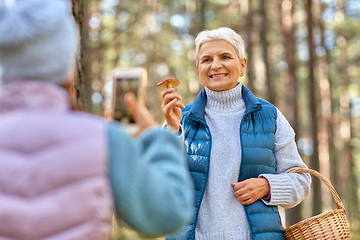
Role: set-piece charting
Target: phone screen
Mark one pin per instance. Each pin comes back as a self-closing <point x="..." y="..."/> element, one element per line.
<point x="124" y="85"/>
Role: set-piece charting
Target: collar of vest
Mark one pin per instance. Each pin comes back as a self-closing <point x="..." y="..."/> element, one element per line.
<point x="197" y="110"/>
<point x="251" y="102"/>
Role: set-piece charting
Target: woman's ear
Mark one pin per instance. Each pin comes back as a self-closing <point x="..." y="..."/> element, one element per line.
<point x="243" y="65"/>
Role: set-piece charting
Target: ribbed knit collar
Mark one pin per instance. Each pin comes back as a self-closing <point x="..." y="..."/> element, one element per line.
<point x="226" y="101"/>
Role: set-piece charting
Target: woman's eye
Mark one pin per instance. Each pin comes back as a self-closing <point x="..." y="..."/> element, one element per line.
<point x="226" y="57"/>
<point x="206" y="60"/>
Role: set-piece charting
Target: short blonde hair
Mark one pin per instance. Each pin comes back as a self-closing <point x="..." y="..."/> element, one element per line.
<point x="223" y="33"/>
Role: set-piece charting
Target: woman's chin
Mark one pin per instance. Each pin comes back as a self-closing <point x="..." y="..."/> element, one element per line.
<point x="220" y="87"/>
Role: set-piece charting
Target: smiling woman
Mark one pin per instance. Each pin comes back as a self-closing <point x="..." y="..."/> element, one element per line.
<point x="239" y="148"/>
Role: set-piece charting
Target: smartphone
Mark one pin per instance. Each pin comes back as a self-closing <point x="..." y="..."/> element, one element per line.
<point x="131" y="79"/>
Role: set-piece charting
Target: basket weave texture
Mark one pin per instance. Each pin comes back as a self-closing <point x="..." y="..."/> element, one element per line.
<point x="329" y="225"/>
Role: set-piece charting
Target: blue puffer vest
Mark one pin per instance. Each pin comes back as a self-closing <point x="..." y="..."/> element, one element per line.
<point x="257" y="133"/>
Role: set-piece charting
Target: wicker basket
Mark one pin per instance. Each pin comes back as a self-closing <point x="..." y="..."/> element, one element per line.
<point x="329" y="225"/>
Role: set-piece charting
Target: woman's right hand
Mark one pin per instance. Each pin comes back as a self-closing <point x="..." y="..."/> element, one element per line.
<point x="171" y="108"/>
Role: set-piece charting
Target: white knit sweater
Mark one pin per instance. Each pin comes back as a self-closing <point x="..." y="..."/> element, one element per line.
<point x="221" y="215"/>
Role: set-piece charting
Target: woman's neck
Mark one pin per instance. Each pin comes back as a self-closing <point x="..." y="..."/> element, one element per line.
<point x="225" y="101"/>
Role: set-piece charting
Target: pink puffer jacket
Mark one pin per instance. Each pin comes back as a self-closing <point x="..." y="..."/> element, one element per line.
<point x="53" y="167"/>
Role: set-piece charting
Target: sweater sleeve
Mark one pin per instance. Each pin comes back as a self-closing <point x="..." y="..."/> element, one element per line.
<point x="287" y="189"/>
<point x="150" y="181"/>
<point x="180" y="133"/>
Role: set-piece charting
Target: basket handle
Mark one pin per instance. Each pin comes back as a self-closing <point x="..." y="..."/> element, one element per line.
<point x="335" y="195"/>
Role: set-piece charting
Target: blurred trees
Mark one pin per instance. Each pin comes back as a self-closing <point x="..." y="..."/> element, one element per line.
<point x="302" y="55"/>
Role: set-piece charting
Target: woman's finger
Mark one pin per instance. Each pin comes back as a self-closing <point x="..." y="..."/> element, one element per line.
<point x="167" y="91"/>
<point x="180" y="105"/>
<point x="130" y="100"/>
<point x="247" y="201"/>
<point x="170" y="106"/>
<point x="169" y="97"/>
<point x="175" y="104"/>
<point x="142" y="116"/>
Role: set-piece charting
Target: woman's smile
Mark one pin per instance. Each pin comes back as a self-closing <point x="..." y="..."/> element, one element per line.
<point x="218" y="75"/>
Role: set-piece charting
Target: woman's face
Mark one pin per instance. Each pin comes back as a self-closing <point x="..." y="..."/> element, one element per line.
<point x="219" y="66"/>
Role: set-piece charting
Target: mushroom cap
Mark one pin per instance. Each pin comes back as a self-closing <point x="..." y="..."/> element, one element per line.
<point x="169" y="82"/>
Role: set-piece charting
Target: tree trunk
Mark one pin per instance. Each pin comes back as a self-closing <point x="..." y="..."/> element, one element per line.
<point x="264" y="45"/>
<point x="79" y="84"/>
<point x="199" y="17"/>
<point x="86" y="54"/>
<point x="325" y="118"/>
<point x="348" y="176"/>
<point x="286" y="10"/>
<point x="314" y="158"/>
<point x="249" y="49"/>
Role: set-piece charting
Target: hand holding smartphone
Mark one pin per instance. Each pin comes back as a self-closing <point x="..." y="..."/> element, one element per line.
<point x="134" y="80"/>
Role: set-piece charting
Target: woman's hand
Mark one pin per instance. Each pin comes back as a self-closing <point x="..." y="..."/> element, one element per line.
<point x="141" y="114"/>
<point x="251" y="190"/>
<point x="171" y="108"/>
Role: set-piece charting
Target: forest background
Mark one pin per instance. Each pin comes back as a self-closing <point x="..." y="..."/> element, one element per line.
<point x="303" y="56"/>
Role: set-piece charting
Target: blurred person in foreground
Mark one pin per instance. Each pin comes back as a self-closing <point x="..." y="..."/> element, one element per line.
<point x="63" y="173"/>
<point x="240" y="148"/>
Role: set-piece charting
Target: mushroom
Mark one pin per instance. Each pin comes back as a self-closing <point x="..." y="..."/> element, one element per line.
<point x="169" y="83"/>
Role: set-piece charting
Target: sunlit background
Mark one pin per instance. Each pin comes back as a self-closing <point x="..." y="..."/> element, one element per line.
<point x="159" y="36"/>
